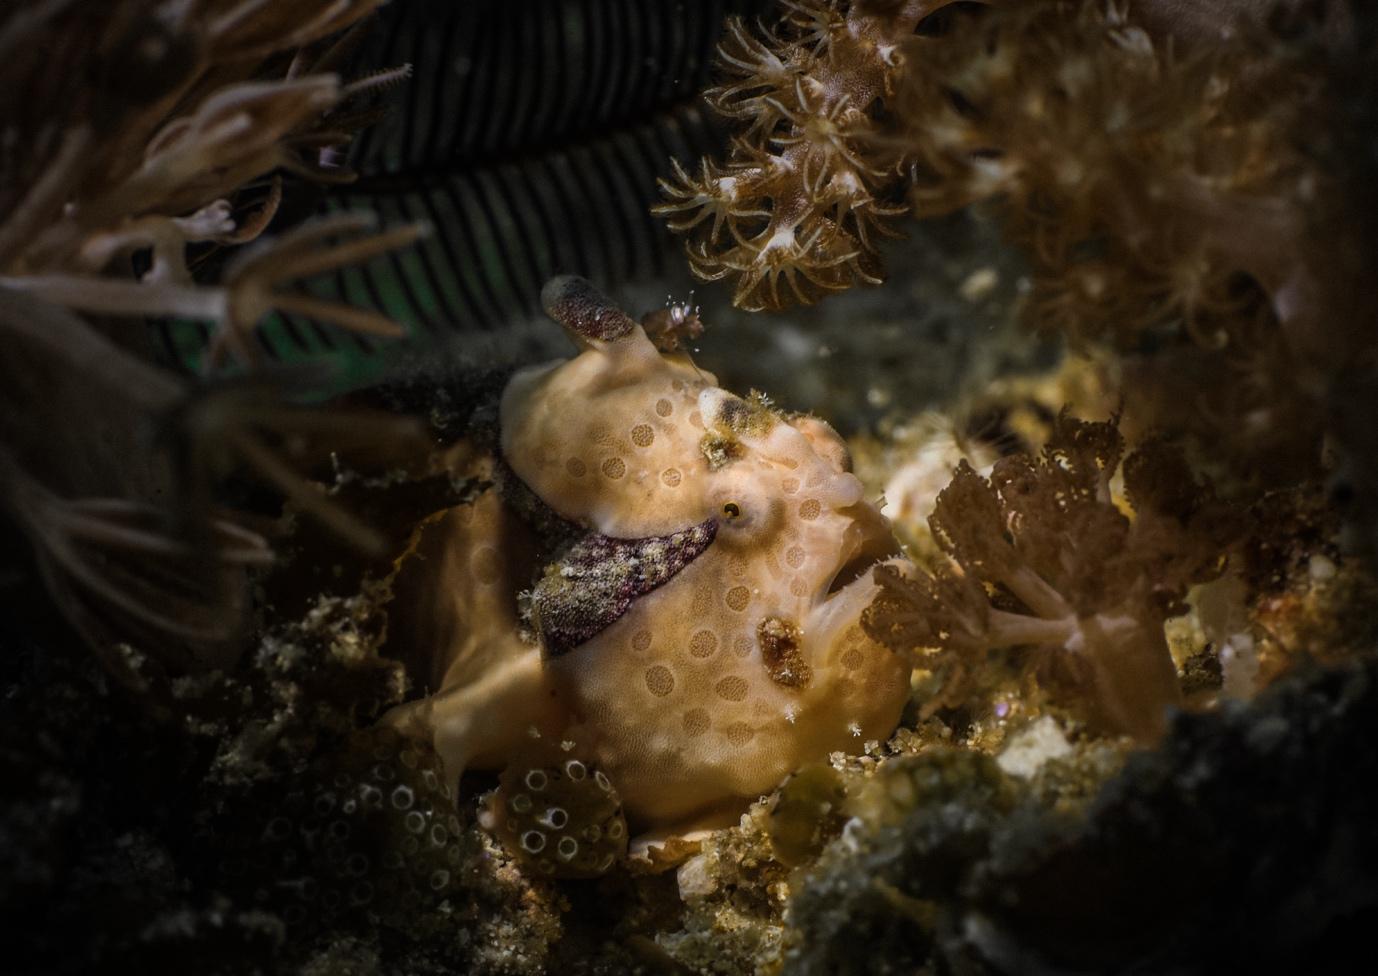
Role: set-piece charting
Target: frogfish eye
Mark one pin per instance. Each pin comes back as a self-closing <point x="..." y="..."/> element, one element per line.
<point x="731" y="510"/>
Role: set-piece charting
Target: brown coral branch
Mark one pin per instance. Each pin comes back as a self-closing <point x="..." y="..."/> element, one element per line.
<point x="45" y="198"/>
<point x="801" y="195"/>
<point x="160" y="177"/>
<point x="91" y="293"/>
<point x="120" y="555"/>
<point x="252" y="287"/>
<point x="167" y="574"/>
<point x="128" y="131"/>
<point x="118" y="523"/>
<point x="251" y="228"/>
<point x="1043" y="558"/>
<point x="252" y="29"/>
<point x="252" y="282"/>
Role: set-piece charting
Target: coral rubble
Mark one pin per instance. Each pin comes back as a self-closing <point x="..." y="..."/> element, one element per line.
<point x="1228" y="846"/>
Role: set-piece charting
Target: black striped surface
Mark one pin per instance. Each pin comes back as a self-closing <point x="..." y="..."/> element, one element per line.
<point x="529" y="138"/>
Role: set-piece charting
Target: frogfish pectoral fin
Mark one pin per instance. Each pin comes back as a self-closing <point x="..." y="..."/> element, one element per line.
<point x="596" y="580"/>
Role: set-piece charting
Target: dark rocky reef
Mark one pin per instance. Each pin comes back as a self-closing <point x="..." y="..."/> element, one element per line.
<point x="1243" y="843"/>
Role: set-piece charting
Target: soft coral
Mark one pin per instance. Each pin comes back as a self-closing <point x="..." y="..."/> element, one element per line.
<point x="1042" y="557"/>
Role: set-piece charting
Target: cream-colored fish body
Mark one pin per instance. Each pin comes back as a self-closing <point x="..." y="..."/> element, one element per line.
<point x="609" y="438"/>
<point x="701" y="638"/>
<point x="749" y="660"/>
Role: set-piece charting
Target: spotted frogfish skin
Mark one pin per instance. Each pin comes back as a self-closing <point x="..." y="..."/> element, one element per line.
<point x="701" y="637"/>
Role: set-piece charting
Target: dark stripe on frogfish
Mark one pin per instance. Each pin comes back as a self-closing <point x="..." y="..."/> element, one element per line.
<point x="595" y="582"/>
